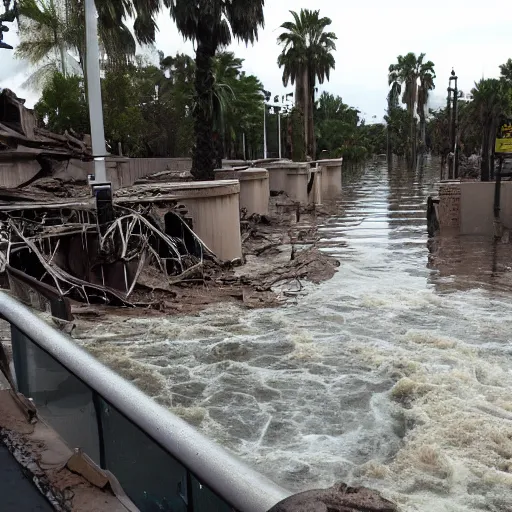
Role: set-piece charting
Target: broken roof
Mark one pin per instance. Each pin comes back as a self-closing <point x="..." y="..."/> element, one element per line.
<point x="20" y="136"/>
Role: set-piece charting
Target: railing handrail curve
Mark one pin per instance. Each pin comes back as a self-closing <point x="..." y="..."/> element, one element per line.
<point x="241" y="486"/>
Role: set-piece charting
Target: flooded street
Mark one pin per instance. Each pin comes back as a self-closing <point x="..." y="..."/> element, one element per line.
<point x="394" y="374"/>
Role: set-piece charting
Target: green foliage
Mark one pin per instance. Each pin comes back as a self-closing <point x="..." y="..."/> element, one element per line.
<point x="52" y="29"/>
<point x="415" y="78"/>
<point x="506" y="71"/>
<point x="237" y="105"/>
<point x="148" y="109"/>
<point x="63" y="105"/>
<point x="212" y="24"/>
<point x="397" y="121"/>
<point x="337" y="132"/>
<point x="478" y="120"/>
<point x="307" y="57"/>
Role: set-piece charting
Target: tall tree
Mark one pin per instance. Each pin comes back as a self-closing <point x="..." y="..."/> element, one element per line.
<point x="426" y="84"/>
<point x="506" y="71"/>
<point x="404" y="75"/>
<point x="62" y="105"/>
<point x="212" y="24"/>
<point x="491" y="101"/>
<point x="237" y="106"/>
<point x="44" y="33"/>
<point x="306" y="58"/>
<point x="51" y="29"/>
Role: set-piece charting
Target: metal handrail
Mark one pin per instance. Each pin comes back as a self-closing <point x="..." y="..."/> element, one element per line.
<point x="242" y="487"/>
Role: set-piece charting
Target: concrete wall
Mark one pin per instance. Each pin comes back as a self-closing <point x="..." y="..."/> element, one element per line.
<point x="332" y="178"/>
<point x="123" y="172"/>
<point x="254" y="190"/>
<point x="289" y="177"/>
<point x="297" y="184"/>
<point x="468" y="207"/>
<point x="213" y="206"/>
<point x="477" y="207"/>
<point x="14" y="174"/>
<point x="254" y="187"/>
<point x="215" y="214"/>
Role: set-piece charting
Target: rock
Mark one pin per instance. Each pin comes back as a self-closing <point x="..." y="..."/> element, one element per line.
<point x="339" y="498"/>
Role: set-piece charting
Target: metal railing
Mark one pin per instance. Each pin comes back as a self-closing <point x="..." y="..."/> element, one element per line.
<point x="161" y="462"/>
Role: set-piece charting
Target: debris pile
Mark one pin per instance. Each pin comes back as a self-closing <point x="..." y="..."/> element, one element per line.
<point x="63" y="247"/>
<point x="52" y="248"/>
<point x="20" y="135"/>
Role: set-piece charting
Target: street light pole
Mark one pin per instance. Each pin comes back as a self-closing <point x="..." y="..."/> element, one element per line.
<point x="279" y="128"/>
<point x="94" y="93"/>
<point x="101" y="187"/>
<point x="264" y="130"/>
<point x="453" y="127"/>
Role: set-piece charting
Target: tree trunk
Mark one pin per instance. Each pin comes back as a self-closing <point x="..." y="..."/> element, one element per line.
<point x="307" y="101"/>
<point x="311" y="124"/>
<point x="412" y="136"/>
<point x="423" y="134"/>
<point x="302" y="102"/>
<point x="203" y="159"/>
<point x="484" y="166"/>
<point x="389" y="146"/>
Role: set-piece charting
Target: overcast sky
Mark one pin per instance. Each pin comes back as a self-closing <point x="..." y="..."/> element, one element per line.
<point x="473" y="37"/>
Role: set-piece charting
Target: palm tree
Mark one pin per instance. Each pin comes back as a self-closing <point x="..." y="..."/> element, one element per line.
<point x="405" y="75"/>
<point x="426" y="84"/>
<point x="236" y="103"/>
<point x="506" y="70"/>
<point x="491" y="101"/>
<point x="43" y="30"/>
<point x="49" y="29"/>
<point x="226" y="68"/>
<point x="306" y="58"/>
<point x="212" y="24"/>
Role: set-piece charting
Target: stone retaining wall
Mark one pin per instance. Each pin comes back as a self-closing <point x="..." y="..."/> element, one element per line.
<point x="449" y="205"/>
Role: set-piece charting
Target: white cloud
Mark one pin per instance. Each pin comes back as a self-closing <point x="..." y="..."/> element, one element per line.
<point x="371" y="34"/>
<point x="465" y="35"/>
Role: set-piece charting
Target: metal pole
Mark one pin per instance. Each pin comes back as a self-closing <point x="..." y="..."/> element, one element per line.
<point x="94" y="93"/>
<point x="243" y="144"/>
<point x="454" y="120"/>
<point x="279" y="129"/>
<point x="264" y="130"/>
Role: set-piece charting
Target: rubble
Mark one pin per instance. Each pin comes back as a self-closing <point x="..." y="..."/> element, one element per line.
<point x="63" y="247"/>
<point x="339" y="498"/>
<point x="19" y="133"/>
<point x="53" y="250"/>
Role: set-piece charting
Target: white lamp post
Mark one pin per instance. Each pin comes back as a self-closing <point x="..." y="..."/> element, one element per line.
<point x="279" y="129"/>
<point x="264" y="130"/>
<point x="94" y="93"/>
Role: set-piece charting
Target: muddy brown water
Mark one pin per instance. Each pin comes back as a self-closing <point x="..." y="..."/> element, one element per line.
<point x="395" y="374"/>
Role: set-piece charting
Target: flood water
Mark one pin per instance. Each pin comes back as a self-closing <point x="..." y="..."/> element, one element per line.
<point x="395" y="374"/>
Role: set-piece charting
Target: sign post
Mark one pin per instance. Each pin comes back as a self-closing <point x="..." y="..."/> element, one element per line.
<point x="503" y="145"/>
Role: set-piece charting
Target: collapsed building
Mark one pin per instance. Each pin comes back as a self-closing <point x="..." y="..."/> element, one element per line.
<point x="50" y="238"/>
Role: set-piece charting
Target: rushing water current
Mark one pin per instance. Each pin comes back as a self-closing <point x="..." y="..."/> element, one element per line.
<point x="395" y="374"/>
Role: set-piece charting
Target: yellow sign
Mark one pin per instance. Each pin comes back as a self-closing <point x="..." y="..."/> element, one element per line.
<point x="504" y="138"/>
